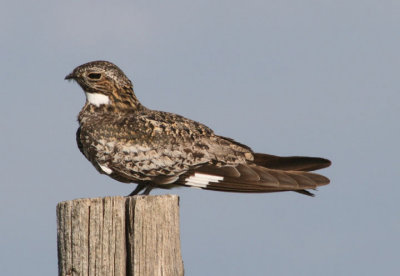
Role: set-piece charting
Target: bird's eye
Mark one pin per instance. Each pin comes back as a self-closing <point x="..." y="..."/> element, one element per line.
<point x="94" y="76"/>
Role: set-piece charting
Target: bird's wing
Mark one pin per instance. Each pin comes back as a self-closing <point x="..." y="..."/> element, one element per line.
<point x="159" y="147"/>
<point x="78" y="141"/>
<point x="293" y="163"/>
<point x="251" y="178"/>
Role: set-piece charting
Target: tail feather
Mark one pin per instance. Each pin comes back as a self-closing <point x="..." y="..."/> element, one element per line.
<point x="251" y="178"/>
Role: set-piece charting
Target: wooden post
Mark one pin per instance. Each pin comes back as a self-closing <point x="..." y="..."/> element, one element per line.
<point x="119" y="236"/>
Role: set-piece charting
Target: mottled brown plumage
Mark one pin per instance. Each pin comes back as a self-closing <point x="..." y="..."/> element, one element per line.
<point x="132" y="143"/>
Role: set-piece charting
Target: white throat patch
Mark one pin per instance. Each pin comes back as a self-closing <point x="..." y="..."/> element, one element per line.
<point x="97" y="99"/>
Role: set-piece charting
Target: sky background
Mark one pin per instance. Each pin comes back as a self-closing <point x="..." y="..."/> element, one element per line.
<point x="318" y="78"/>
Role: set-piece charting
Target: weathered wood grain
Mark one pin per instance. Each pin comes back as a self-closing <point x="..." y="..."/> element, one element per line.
<point x="119" y="236"/>
<point x="153" y="235"/>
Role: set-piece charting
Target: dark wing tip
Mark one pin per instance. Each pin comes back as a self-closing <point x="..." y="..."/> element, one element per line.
<point x="324" y="162"/>
<point x="295" y="163"/>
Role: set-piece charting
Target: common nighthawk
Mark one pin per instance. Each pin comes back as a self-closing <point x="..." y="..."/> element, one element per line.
<point x="131" y="143"/>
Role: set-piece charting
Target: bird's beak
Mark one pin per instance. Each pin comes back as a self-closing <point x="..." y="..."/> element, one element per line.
<point x="70" y="76"/>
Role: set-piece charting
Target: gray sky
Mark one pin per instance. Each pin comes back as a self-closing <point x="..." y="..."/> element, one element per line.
<point x="307" y="77"/>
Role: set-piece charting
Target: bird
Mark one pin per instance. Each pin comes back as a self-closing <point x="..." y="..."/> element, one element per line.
<point x="154" y="149"/>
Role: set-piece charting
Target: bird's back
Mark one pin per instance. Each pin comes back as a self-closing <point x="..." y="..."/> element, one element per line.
<point x="145" y="144"/>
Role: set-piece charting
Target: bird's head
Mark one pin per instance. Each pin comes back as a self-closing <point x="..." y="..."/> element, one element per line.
<point x="104" y="83"/>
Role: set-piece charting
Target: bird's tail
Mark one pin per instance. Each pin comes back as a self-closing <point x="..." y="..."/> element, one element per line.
<point x="255" y="178"/>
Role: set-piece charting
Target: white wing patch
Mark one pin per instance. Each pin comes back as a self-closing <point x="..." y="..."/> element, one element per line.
<point x="106" y="169"/>
<point x="201" y="180"/>
<point x="97" y="99"/>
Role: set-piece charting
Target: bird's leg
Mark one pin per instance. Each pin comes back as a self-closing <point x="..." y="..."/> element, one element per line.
<point x="148" y="189"/>
<point x="139" y="187"/>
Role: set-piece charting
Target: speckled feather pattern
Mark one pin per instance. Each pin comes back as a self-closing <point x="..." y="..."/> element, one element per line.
<point x="146" y="143"/>
<point x="132" y="143"/>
